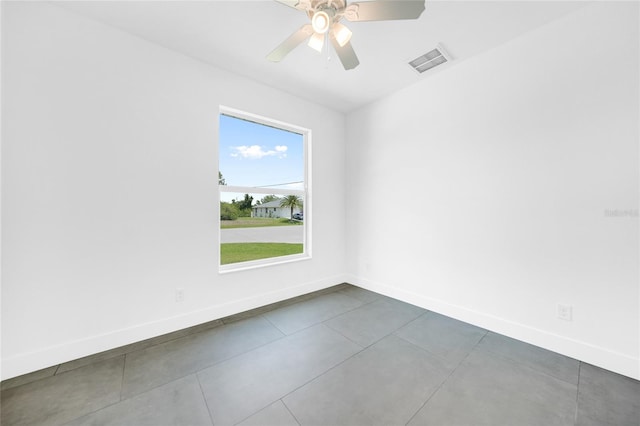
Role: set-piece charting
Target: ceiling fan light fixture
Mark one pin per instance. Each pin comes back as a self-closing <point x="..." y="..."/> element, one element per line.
<point x="325" y="27"/>
<point x="321" y="22"/>
<point x="316" y="42"/>
<point x="341" y="33"/>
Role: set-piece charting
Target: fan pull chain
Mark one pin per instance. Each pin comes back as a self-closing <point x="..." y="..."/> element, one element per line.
<point x="326" y="43"/>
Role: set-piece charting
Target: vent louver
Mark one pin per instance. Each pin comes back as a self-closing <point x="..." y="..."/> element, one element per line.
<point x="429" y="60"/>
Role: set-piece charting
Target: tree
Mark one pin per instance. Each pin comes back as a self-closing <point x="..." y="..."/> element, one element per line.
<point x="268" y="198"/>
<point x="291" y="201"/>
<point x="246" y="203"/>
<point x="228" y="211"/>
<point x="221" y="180"/>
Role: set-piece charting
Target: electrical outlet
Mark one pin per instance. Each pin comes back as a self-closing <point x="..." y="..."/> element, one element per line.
<point x="179" y="295"/>
<point x="565" y="312"/>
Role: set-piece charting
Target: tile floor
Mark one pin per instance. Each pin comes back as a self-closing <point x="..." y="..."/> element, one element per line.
<point x="342" y="356"/>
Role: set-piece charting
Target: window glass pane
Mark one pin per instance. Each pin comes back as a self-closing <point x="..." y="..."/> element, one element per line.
<point x="266" y="229"/>
<point x="256" y="155"/>
<point x="262" y="192"/>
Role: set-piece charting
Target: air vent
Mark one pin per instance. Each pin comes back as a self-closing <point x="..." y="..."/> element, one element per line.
<point x="429" y="60"/>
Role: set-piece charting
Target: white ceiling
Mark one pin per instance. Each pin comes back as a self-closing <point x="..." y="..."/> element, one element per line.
<point x="237" y="35"/>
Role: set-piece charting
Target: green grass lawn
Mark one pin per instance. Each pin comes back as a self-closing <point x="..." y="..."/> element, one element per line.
<point x="243" y="252"/>
<point x="257" y="222"/>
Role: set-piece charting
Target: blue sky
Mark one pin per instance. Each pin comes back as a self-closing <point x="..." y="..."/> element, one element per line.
<point x="252" y="154"/>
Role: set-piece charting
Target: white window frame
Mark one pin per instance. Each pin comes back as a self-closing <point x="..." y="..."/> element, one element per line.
<point x="304" y="193"/>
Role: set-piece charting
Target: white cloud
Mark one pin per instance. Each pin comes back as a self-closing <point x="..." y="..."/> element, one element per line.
<point x="256" y="152"/>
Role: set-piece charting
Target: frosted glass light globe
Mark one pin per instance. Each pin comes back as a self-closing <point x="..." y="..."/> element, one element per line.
<point x="320" y="22"/>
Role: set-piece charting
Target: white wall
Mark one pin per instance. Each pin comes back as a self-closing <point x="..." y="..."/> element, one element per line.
<point x="502" y="168"/>
<point x="109" y="186"/>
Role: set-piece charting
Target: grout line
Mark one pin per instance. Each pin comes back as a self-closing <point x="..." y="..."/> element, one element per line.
<point x="55" y="373"/>
<point x="92" y="412"/>
<point x="346" y="337"/>
<point x="106" y="406"/>
<point x="522" y="364"/>
<point x="343" y="292"/>
<point x="124" y="366"/>
<point x="438" y="357"/>
<point x="174" y="338"/>
<point x="290" y="412"/>
<point x="379" y="339"/>
<point x="120" y="350"/>
<point x="488" y="348"/>
<point x="142" y="393"/>
<point x="375" y="341"/>
<point x="254" y="413"/>
<point x="275" y="326"/>
<point x="575" y="417"/>
<point x="483" y="337"/>
<point x="206" y="403"/>
<point x="264" y="408"/>
<point x="362" y="349"/>
<point x="324" y="320"/>
<point x="262" y="310"/>
<point x="409" y="322"/>
<point x="446" y="378"/>
<point x="323" y="373"/>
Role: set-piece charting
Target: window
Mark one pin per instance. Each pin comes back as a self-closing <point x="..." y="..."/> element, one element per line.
<point x="263" y="181"/>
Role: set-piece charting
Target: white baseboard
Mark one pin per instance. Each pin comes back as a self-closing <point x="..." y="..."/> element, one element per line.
<point x="591" y="354"/>
<point x="69" y="351"/>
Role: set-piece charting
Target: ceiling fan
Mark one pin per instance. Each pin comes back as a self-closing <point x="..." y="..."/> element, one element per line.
<point x="325" y="24"/>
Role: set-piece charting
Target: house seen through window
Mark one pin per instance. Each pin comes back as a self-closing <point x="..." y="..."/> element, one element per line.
<point x="264" y="191"/>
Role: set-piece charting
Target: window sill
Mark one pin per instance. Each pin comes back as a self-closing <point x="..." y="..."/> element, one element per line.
<point x="262" y="263"/>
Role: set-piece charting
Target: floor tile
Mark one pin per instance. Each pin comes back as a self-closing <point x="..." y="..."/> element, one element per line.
<point x="490" y="390"/>
<point x="28" y="378"/>
<point x="144" y="344"/>
<point x="59" y="399"/>
<point x="606" y="398"/>
<point x="242" y="386"/>
<point x="554" y="364"/>
<point x="281" y="304"/>
<point x="91" y="359"/>
<point x="442" y="336"/>
<point x="292" y="318"/>
<point x="385" y="385"/>
<point x="163" y="363"/>
<point x="371" y="322"/>
<point x="361" y="294"/>
<point x="176" y="403"/>
<point x="274" y="415"/>
<point x="287" y="302"/>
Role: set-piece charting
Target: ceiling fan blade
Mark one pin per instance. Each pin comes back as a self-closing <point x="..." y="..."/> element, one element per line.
<point x="346" y="54"/>
<point x="290" y="43"/>
<point x="296" y="4"/>
<point x="384" y="10"/>
<point x="290" y="3"/>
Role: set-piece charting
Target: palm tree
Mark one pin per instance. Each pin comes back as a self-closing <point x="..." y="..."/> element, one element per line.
<point x="291" y="201"/>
